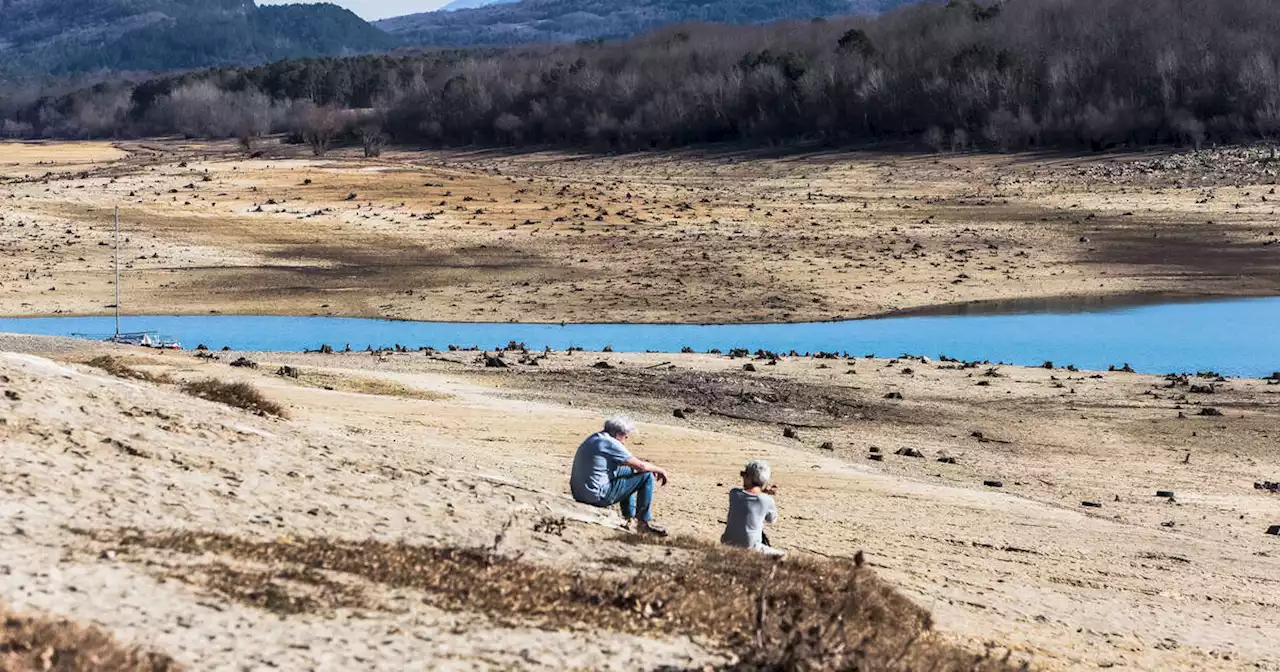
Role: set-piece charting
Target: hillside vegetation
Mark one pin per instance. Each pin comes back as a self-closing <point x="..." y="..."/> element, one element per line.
<point x="40" y="37"/>
<point x="1023" y="73"/>
<point x="570" y="20"/>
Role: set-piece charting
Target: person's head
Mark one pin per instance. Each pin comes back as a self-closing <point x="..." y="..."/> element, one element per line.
<point x="756" y="474"/>
<point x="620" y="427"/>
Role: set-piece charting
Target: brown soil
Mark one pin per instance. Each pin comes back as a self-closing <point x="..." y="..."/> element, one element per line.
<point x="550" y="237"/>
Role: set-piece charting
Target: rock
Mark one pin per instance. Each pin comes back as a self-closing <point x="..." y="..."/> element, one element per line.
<point x="827" y="445"/>
<point x="1092" y="505"/>
<point x="492" y="362"/>
<point x="947" y="459"/>
<point x="1267" y="486"/>
<point x="875" y="449"/>
<point x="993" y="484"/>
<point x="749" y="367"/>
<point x="288" y="372"/>
<point x="1164" y="493"/>
<point x="908" y="451"/>
<point x="893" y="395"/>
<point x="875" y="457"/>
<point x="1274" y="530"/>
<point x="679" y="413"/>
<point x="602" y="365"/>
<point x="1210" y="411"/>
<point x="245" y="363"/>
<point x="790" y="433"/>
<point x="326" y="349"/>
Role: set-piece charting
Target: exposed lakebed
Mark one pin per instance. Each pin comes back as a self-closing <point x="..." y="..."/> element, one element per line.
<point x="1235" y="337"/>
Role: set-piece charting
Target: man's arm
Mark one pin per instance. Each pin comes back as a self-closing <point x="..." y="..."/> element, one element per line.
<point x="641" y="467"/>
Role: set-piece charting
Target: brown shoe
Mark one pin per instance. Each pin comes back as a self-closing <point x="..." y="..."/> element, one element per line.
<point x="649" y="528"/>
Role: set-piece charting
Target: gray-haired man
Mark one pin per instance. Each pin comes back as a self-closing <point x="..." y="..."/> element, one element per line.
<point x="606" y="473"/>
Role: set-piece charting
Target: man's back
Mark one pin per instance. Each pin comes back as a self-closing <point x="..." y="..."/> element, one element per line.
<point x="594" y="464"/>
<point x="747" y="515"/>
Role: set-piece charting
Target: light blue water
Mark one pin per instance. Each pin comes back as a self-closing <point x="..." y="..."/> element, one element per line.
<point x="1237" y="337"/>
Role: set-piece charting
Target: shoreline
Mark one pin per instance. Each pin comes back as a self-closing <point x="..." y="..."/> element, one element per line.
<point x="1067" y="305"/>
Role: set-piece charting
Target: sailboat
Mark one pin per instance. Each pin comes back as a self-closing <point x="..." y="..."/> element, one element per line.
<point x="146" y="339"/>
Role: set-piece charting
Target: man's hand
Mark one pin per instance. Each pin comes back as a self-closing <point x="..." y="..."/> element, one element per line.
<point x="641" y="467"/>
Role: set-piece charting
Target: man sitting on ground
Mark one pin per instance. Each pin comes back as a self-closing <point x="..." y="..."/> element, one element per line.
<point x="606" y="473"/>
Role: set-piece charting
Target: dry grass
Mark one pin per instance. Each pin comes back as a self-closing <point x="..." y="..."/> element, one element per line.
<point x="282" y="591"/>
<point x="238" y="395"/>
<point x="117" y="367"/>
<point x="810" y="615"/>
<point x="364" y="385"/>
<point x="33" y="643"/>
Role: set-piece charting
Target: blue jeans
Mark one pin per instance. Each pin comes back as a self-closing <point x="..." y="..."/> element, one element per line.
<point x="634" y="491"/>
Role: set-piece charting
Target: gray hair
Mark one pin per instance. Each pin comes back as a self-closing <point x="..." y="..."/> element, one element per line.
<point x="757" y="472"/>
<point x="620" y="425"/>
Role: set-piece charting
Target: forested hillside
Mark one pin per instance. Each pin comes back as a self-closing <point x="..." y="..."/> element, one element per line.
<point x="43" y="37"/>
<point x="470" y="4"/>
<point x="1023" y="73"/>
<point x="570" y="20"/>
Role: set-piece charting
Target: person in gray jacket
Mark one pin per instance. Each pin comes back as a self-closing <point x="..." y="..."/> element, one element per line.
<point x="750" y="507"/>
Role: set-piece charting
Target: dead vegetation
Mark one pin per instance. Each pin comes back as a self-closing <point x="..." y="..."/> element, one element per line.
<point x="798" y="615"/>
<point x="283" y="591"/>
<point x="119" y="368"/>
<point x="238" y="395"/>
<point x="29" y="643"/>
<point x="365" y="385"/>
<point x="758" y="398"/>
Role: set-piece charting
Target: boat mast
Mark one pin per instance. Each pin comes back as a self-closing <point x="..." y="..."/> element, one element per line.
<point x="117" y="218"/>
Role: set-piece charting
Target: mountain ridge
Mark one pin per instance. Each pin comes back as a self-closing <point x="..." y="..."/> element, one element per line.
<point x="54" y="37"/>
<point x="471" y="4"/>
<point x="573" y="20"/>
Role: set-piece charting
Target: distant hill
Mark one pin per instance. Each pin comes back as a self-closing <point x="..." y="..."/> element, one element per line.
<point x="569" y="20"/>
<point x="58" y="37"/>
<point x="472" y="4"/>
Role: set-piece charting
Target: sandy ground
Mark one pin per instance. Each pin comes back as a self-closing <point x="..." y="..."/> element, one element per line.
<point x="689" y="237"/>
<point x="1141" y="581"/>
<point x="439" y="450"/>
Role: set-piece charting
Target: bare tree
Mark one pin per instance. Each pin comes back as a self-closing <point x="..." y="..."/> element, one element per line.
<point x="319" y="126"/>
<point x="372" y="138"/>
<point x="936" y="139"/>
